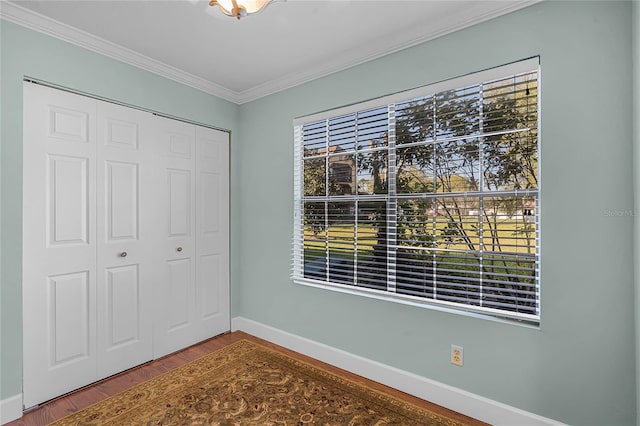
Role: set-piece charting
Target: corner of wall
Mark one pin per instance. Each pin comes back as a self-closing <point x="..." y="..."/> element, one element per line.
<point x="635" y="119"/>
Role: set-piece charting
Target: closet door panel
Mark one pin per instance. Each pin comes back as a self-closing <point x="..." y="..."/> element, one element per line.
<point x="125" y="224"/>
<point x="59" y="243"/>
<point x="67" y="209"/>
<point x="180" y="200"/>
<point x="180" y="294"/>
<point x="178" y="249"/>
<point x="209" y="297"/>
<point x="175" y="324"/>
<point x="122" y="201"/>
<point x="124" y="313"/>
<point x="68" y="308"/>
<point x="212" y="224"/>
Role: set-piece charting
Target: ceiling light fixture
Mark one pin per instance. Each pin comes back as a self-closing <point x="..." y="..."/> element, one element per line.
<point x="239" y="8"/>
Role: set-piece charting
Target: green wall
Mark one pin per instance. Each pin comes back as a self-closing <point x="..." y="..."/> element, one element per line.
<point x="29" y="53"/>
<point x="579" y="366"/>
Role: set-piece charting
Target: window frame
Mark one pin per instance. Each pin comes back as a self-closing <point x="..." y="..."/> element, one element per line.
<point x="389" y="101"/>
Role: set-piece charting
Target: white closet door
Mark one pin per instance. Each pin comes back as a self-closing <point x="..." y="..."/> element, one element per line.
<point x="175" y="326"/>
<point x="126" y="220"/>
<point x="212" y="239"/>
<point x="125" y="239"/>
<point x="59" y="250"/>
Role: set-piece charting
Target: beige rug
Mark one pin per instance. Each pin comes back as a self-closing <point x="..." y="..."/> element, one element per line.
<point x="249" y="384"/>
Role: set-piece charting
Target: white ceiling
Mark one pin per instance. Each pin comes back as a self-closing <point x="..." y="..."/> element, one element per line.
<point x="290" y="42"/>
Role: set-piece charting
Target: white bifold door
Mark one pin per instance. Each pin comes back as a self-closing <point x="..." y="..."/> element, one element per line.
<point x="125" y="239"/>
<point x="193" y="245"/>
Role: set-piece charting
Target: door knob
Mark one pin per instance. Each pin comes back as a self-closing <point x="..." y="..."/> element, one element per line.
<point x="123" y="254"/>
<point x="179" y="249"/>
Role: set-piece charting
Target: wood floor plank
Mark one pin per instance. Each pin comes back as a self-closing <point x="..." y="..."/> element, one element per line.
<point x="70" y="403"/>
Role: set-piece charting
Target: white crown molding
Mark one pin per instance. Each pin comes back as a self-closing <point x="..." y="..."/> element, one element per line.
<point x="34" y="21"/>
<point x="40" y="23"/>
<point x="374" y="52"/>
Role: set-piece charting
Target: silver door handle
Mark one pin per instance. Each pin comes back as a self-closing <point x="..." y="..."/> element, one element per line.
<point x="123" y="254"/>
<point x="179" y="249"/>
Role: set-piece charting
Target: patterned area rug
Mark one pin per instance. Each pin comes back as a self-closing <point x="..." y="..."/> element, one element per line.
<point x="248" y="384"/>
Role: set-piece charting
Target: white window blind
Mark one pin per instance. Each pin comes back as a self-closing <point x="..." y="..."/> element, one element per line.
<point x="428" y="196"/>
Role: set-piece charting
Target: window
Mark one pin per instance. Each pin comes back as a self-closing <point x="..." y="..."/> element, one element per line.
<point x="428" y="196"/>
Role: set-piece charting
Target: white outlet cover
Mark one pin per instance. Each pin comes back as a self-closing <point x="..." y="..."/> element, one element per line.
<point x="457" y="355"/>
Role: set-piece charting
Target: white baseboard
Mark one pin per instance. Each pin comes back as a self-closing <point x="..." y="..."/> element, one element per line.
<point x="459" y="400"/>
<point x="10" y="409"/>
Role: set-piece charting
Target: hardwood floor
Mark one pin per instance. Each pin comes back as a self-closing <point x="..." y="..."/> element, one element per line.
<point x="70" y="403"/>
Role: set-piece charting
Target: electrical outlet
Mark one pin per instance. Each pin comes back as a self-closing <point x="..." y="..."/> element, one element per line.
<point x="457" y="355"/>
